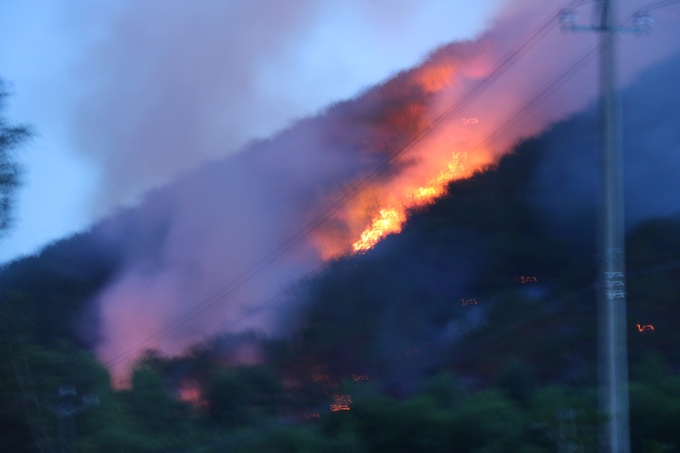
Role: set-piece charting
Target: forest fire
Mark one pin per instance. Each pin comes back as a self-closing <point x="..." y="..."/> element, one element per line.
<point x="391" y="219"/>
<point x="316" y="290"/>
<point x="339" y="183"/>
<point x="415" y="144"/>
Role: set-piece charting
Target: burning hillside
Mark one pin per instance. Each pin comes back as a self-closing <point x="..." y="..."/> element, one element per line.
<point x="234" y="235"/>
<point x="214" y="252"/>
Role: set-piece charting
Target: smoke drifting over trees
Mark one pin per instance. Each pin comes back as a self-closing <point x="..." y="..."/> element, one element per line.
<point x="214" y="251"/>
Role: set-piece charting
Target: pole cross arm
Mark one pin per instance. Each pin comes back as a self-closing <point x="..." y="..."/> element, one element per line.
<point x="642" y="23"/>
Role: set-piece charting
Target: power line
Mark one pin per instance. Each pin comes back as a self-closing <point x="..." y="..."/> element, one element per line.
<point x="217" y="296"/>
<point x="563" y="76"/>
<point x="229" y="290"/>
<point x="235" y="439"/>
<point x="269" y="258"/>
<point x="532" y="103"/>
<point x="658" y="5"/>
<point x="437" y="359"/>
<point x="612" y="343"/>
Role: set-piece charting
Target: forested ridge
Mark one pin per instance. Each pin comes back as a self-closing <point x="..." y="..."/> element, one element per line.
<point x="472" y="330"/>
<point x="391" y="331"/>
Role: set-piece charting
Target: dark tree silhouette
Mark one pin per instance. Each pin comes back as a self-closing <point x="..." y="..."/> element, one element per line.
<point x="10" y="137"/>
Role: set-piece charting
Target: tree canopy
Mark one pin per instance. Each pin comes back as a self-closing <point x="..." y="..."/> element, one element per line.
<point x="10" y="137"/>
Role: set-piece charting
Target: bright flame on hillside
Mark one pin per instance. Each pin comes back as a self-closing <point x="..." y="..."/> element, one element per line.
<point x="391" y="219"/>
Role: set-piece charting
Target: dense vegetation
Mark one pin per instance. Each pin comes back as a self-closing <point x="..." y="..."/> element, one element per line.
<point x="385" y="335"/>
<point x="472" y="330"/>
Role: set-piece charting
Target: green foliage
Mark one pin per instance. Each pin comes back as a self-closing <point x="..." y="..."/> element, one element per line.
<point x="56" y="285"/>
<point x="565" y="418"/>
<point x="517" y="381"/>
<point x="653" y="284"/>
<point x="413" y="425"/>
<point x="30" y="398"/>
<point x="243" y="395"/>
<point x="655" y="410"/>
<point x="14" y="400"/>
<point x="444" y="389"/>
<point x="517" y="352"/>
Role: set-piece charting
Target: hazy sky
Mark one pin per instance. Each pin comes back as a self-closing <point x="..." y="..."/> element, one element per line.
<point x="228" y="71"/>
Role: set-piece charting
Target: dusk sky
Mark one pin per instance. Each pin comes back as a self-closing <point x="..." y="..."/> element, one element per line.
<point x="82" y="70"/>
<point x="230" y="214"/>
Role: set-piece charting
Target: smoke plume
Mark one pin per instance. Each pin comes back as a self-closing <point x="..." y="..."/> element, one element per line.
<point x="170" y="86"/>
<point x="213" y="251"/>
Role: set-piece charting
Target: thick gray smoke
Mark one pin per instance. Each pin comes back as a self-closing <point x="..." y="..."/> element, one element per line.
<point x="172" y="85"/>
<point x="211" y="252"/>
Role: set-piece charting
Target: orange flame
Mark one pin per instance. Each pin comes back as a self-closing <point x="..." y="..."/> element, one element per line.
<point x="389" y="222"/>
<point x="339" y="407"/>
<point x="411" y="108"/>
<point x="342" y="403"/>
<point x="645" y="327"/>
<point x="391" y="219"/>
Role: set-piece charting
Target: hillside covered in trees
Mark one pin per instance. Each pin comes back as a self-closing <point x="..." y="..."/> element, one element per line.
<point x="472" y="330"/>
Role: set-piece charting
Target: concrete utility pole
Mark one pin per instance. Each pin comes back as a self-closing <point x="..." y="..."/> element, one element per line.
<point x="613" y="354"/>
<point x="612" y="350"/>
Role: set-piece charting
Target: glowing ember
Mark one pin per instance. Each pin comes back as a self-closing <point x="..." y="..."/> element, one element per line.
<point x="342" y="403"/>
<point x="468" y="302"/>
<point x="339" y="407"/>
<point x="528" y="279"/>
<point x="190" y="392"/>
<point x="648" y="327"/>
